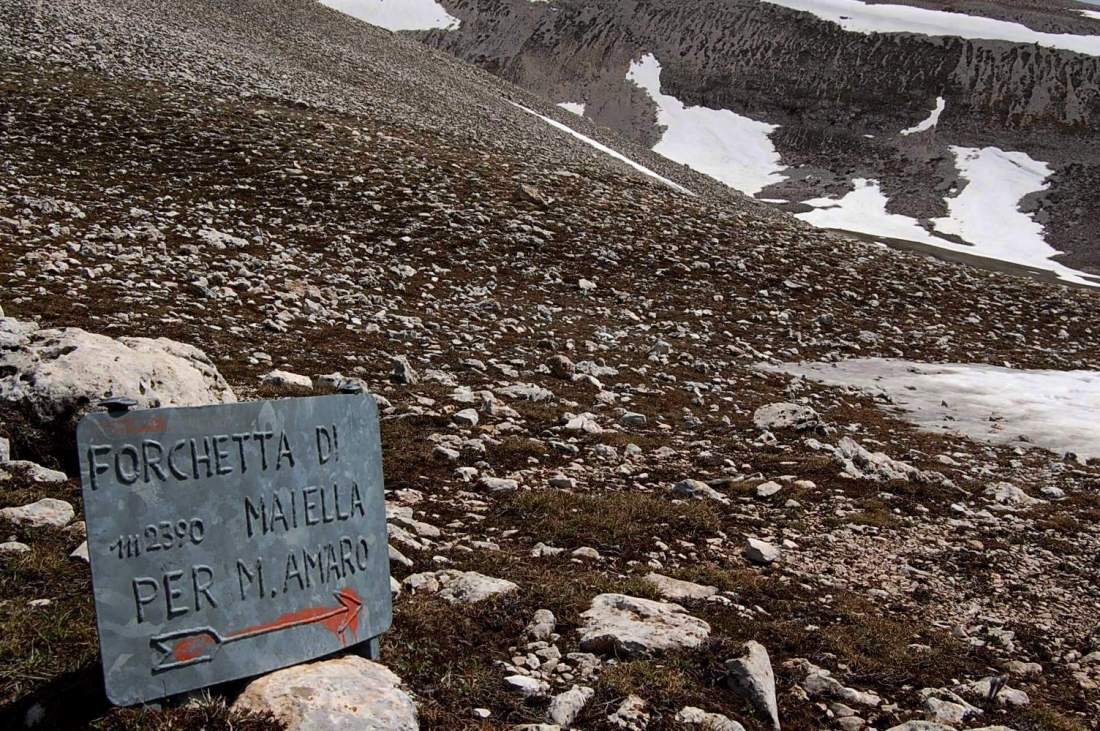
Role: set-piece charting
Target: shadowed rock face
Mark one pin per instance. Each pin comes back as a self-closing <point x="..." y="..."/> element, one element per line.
<point x="840" y="97"/>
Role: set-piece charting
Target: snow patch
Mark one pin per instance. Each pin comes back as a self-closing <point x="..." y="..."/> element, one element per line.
<point x="604" y="149"/>
<point x="932" y="120"/>
<point x="1053" y="409"/>
<point x="397" y="14"/>
<point x="859" y="17"/>
<point x="574" y="107"/>
<point x="986" y="214"/>
<point x="864" y="211"/>
<point x="731" y="148"/>
<point x="1093" y="14"/>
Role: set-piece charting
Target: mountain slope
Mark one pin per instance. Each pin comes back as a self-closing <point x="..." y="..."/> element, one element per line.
<point x="287" y="188"/>
<point x="841" y="98"/>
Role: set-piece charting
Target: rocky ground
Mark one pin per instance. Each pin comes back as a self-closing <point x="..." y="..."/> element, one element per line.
<point x="599" y="516"/>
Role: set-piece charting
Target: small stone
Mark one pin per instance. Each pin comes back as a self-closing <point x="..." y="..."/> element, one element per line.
<point x="677" y="590"/>
<point x="698" y="490"/>
<point x="286" y="379"/>
<point x="760" y="552"/>
<point x="565" y="707"/>
<point x="786" y="416"/>
<point x="631" y="715"/>
<point x="751" y="675"/>
<point x="586" y="552"/>
<point x="81" y="552"/>
<point x="402" y="372"/>
<point x="561" y="367"/>
<point x="562" y="482"/>
<point x="37" y="473"/>
<point x="631" y="418"/>
<point x="466" y="418"/>
<point x="14" y="547"/>
<point x="526" y="685"/>
<point x="692" y="716"/>
<point x="498" y="484"/>
<point x="767" y="489"/>
<point x="542" y="625"/>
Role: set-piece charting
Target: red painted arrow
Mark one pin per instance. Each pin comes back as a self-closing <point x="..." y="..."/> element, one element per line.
<point x="200" y="644"/>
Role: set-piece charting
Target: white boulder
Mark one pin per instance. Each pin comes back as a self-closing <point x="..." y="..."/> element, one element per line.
<point x="47" y="512"/>
<point x="632" y="627"/>
<point x="55" y="374"/>
<point x="349" y="693"/>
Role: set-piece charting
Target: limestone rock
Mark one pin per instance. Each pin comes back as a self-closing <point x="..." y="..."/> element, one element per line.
<point x="633" y="627"/>
<point x="631" y="715"/>
<point x="465" y="418"/>
<point x="526" y="685"/>
<point x="542" y="625"/>
<point x="760" y="552"/>
<point x="677" y="590"/>
<point x="347" y="694"/>
<point x="698" y="490"/>
<point x="786" y="416"/>
<point x="56" y="374"/>
<point x="561" y="367"/>
<point x="36" y="472"/>
<point x="286" y="379"/>
<point x="565" y="707"/>
<point x="403" y="372"/>
<point x="692" y="716"/>
<point x="47" y="512"/>
<point x="459" y="587"/>
<point x="752" y="676"/>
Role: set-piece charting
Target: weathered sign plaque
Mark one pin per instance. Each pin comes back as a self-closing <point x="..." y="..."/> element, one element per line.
<point x="227" y="541"/>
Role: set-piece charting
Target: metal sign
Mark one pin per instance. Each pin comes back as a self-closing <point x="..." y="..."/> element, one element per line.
<point x="227" y="541"/>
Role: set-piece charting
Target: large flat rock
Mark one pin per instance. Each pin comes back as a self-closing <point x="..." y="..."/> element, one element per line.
<point x="347" y="694"/>
<point x="632" y="627"/>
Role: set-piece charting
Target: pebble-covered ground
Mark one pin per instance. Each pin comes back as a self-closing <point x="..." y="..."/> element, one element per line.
<point x="565" y="354"/>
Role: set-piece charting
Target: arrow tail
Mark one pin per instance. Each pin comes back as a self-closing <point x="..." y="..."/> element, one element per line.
<point x="183" y="648"/>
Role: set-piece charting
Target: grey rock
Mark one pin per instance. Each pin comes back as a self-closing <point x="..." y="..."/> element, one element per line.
<point x="561" y="367"/>
<point x="565" y="707"/>
<point x="36" y="472"/>
<point x="786" y="416"/>
<point x="631" y="715"/>
<point x="465" y="418"/>
<point x="678" y="590"/>
<point x="402" y="372"/>
<point x="692" y="716"/>
<point x="698" y="490"/>
<point x="57" y="374"/>
<point x="47" y="512"/>
<point x="286" y="379"/>
<point x="760" y="552"/>
<point x="527" y="686"/>
<point x="634" y="627"/>
<point x="752" y="676"/>
<point x="347" y="694"/>
<point x="459" y="587"/>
